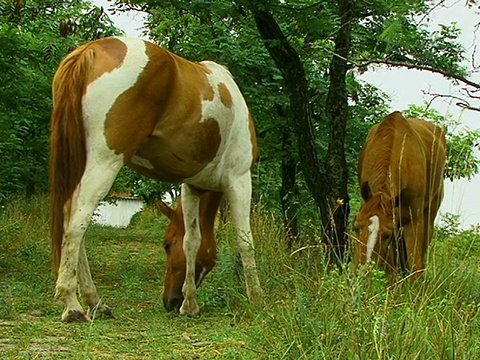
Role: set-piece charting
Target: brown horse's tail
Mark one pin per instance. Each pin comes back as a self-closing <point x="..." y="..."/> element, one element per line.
<point x="67" y="149"/>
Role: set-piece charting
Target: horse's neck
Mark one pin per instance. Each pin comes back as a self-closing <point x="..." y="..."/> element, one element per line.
<point x="209" y="204"/>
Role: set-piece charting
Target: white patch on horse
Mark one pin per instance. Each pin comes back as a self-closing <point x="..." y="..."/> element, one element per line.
<point x="202" y="276"/>
<point x="191" y="244"/>
<point x="104" y="91"/>
<point x="145" y="163"/>
<point x="372" y="239"/>
<point x="234" y="156"/>
<point x="100" y="96"/>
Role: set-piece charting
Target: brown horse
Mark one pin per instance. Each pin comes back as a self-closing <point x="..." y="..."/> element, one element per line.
<point x="400" y="175"/>
<point x="127" y="101"/>
<point x="173" y="245"/>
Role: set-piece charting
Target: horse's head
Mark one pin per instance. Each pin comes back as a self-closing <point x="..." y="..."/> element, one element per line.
<point x="176" y="260"/>
<point x="375" y="227"/>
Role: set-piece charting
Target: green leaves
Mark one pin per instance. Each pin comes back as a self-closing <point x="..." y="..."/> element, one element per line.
<point x="463" y="161"/>
<point x="32" y="47"/>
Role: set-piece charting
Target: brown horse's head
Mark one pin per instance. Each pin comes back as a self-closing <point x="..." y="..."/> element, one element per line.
<point x="173" y="245"/>
<point x="375" y="233"/>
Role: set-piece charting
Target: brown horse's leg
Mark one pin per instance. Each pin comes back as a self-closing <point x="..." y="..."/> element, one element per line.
<point x="414" y="234"/>
<point x="191" y="244"/>
<point x="239" y="197"/>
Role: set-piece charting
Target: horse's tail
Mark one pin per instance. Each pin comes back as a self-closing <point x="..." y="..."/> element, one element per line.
<point x="67" y="149"/>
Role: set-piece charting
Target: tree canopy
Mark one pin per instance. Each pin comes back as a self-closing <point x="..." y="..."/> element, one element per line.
<point x="34" y="36"/>
<point x="298" y="64"/>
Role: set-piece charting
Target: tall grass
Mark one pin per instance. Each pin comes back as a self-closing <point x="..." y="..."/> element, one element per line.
<point x="309" y="311"/>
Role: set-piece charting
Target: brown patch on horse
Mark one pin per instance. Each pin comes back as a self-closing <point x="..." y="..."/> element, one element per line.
<point x="109" y="55"/>
<point x="205" y="68"/>
<point x="147" y="102"/>
<point x="225" y="95"/>
<point x="175" y="156"/>
<point x="143" y="122"/>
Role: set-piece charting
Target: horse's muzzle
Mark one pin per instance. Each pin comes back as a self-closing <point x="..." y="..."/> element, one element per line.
<point x="173" y="302"/>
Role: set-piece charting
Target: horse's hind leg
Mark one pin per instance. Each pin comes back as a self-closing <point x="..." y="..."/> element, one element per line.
<point x="239" y="196"/>
<point x="96" y="181"/>
<point x="87" y="287"/>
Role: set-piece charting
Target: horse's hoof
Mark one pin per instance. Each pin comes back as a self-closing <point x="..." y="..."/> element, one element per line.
<point x="107" y="312"/>
<point x="101" y="311"/>
<point x="192" y="311"/>
<point x="76" y="316"/>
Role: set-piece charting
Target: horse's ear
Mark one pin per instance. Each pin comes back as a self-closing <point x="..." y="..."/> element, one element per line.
<point x="165" y="209"/>
<point x="365" y="191"/>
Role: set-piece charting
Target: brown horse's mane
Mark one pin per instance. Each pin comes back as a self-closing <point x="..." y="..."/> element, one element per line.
<point x="385" y="136"/>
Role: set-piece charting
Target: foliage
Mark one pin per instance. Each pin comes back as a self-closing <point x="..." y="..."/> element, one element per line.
<point x="147" y="189"/>
<point x="449" y="225"/>
<point x="383" y="32"/>
<point x="309" y="311"/>
<point x="34" y="36"/>
<point x="227" y="34"/>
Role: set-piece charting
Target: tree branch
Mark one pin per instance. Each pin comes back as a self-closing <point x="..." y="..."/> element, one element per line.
<point x="422" y="68"/>
<point x="402" y="64"/>
<point x="462" y="103"/>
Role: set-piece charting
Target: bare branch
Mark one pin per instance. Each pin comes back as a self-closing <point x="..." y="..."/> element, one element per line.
<point x="423" y="68"/>
<point x="400" y="64"/>
<point x="462" y="103"/>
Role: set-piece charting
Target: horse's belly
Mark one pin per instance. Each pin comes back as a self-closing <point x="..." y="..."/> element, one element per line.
<point x="162" y="161"/>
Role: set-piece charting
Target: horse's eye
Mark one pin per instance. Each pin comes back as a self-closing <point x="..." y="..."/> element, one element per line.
<point x="167" y="247"/>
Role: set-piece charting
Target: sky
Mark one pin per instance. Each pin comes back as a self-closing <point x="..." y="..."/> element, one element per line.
<point x="407" y="87"/>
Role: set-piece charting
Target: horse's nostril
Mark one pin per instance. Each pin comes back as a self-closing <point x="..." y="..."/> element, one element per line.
<point x="173" y="303"/>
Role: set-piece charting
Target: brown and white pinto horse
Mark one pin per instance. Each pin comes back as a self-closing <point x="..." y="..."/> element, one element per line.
<point x="127" y="101"/>
<point x="400" y="175"/>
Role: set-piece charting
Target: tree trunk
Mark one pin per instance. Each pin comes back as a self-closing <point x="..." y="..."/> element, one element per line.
<point x="299" y="112"/>
<point x="337" y="112"/>
<point x="327" y="183"/>
<point x="289" y="191"/>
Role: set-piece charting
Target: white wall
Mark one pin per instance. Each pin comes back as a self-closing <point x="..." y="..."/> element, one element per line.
<point x="117" y="214"/>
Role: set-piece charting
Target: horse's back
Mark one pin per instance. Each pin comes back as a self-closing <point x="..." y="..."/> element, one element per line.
<point x="432" y="137"/>
<point x="405" y="152"/>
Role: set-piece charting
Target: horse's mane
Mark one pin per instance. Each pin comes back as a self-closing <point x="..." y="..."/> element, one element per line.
<point x="384" y="137"/>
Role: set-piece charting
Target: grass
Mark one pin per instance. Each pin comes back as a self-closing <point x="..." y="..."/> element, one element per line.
<point x="309" y="310"/>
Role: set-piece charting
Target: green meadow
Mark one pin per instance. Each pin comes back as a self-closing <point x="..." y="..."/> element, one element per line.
<point x="309" y="311"/>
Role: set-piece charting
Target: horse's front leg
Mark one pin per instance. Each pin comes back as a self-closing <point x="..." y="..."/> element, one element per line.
<point x="414" y="234"/>
<point x="191" y="245"/>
